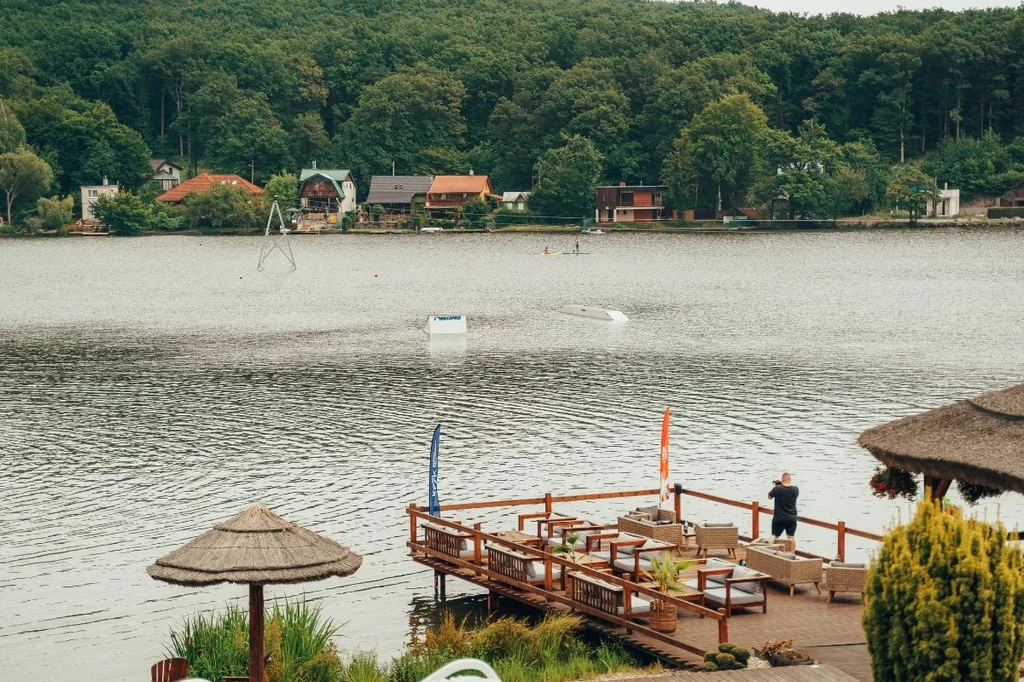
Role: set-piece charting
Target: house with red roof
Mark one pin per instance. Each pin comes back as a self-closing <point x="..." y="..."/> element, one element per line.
<point x="453" y="191"/>
<point x="204" y="182"/>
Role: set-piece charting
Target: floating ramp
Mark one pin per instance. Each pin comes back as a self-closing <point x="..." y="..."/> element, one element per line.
<point x="594" y="313"/>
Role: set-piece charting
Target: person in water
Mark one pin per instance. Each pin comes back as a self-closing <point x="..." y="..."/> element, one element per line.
<point x="576" y="246"/>
<point x="546" y="251"/>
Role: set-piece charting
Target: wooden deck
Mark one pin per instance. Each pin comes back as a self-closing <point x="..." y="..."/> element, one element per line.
<point x="829" y="632"/>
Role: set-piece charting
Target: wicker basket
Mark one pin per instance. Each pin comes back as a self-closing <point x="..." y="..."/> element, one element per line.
<point x="663" y="616"/>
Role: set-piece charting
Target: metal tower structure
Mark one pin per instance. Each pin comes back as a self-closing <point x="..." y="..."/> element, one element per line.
<point x="272" y="242"/>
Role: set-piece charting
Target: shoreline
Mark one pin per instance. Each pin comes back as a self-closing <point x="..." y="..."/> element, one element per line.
<point x="708" y="227"/>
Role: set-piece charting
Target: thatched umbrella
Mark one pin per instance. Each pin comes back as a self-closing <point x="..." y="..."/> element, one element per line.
<point x="979" y="441"/>
<point x="256" y="548"/>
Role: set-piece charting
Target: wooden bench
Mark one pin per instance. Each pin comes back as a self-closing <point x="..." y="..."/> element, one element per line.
<point x="517" y="566"/>
<point x="169" y="670"/>
<point x="452" y="542"/>
<point x="606" y="597"/>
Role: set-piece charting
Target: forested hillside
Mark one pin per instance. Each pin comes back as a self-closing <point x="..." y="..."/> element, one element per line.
<point x="448" y="85"/>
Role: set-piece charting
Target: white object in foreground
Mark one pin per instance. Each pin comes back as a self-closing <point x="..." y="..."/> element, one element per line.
<point x="447" y="672"/>
<point x="446" y="324"/>
<point x="595" y="313"/>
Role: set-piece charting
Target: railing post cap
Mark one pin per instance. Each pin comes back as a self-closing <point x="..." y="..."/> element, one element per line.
<point x="678" y="487"/>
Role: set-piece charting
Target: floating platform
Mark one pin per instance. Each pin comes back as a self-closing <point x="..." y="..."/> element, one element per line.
<point x="446" y="324"/>
<point x="594" y="313"/>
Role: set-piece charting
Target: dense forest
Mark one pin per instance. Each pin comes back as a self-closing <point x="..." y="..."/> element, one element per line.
<point x="712" y="99"/>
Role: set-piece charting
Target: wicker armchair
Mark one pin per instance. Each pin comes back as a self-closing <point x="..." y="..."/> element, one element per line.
<point x="716" y="536"/>
<point x="784" y="567"/>
<point x="841" y="577"/>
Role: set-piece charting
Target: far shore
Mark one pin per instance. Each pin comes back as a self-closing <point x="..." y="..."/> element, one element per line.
<point x="706" y="227"/>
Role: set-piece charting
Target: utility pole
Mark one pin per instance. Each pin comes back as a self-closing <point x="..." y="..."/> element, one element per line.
<point x="252" y="171"/>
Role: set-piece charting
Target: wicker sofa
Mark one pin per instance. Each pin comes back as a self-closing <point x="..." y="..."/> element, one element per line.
<point x="716" y="536"/>
<point x="842" y="577"/>
<point x="661" y="527"/>
<point x="785" y="567"/>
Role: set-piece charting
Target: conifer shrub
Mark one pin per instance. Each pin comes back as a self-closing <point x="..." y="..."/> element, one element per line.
<point x="945" y="602"/>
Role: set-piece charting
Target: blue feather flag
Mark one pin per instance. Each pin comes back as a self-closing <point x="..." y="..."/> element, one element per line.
<point x="434" y="504"/>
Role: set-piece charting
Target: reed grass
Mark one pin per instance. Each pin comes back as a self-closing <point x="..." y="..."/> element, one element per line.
<point x="301" y="648"/>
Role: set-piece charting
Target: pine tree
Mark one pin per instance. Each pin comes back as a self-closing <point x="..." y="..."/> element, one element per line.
<point x="945" y="602"/>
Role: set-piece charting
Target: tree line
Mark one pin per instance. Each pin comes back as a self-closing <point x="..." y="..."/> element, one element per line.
<point x="635" y="89"/>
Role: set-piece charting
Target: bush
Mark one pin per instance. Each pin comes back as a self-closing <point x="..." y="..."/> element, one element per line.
<point x="728" y="657"/>
<point x="224" y="207"/>
<point x="945" y="601"/>
<point x="124" y="213"/>
<point x="346" y="223"/>
<point x="296" y="637"/>
<point x="1006" y="212"/>
<point x="54" y="213"/>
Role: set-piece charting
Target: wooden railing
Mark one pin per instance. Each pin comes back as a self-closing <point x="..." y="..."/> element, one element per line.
<point x="755" y="508"/>
<point x="419" y="515"/>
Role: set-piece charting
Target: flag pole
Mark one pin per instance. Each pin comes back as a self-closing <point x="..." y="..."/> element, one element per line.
<point x="664" y="487"/>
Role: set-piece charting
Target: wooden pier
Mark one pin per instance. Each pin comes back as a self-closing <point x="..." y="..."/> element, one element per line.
<point x="496" y="561"/>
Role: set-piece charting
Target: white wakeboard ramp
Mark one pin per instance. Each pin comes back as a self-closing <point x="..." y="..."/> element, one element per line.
<point x="595" y="313"/>
<point x="446" y="324"/>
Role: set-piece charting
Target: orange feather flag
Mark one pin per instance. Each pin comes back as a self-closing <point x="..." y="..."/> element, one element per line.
<point x="664" y="457"/>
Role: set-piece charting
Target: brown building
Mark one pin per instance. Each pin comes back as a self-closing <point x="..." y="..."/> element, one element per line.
<point x="203" y="182"/>
<point x="624" y="203"/>
<point x="453" y="191"/>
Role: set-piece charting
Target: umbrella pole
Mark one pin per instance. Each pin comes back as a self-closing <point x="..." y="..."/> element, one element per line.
<point x="257" y="673"/>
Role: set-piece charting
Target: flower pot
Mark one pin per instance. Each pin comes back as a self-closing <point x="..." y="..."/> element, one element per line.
<point x="663" y="616"/>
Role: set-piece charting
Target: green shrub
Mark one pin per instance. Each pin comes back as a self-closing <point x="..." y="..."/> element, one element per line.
<point x="1006" y="212"/>
<point x="54" y="213"/>
<point x="296" y="637"/>
<point x="346" y="223"/>
<point x="945" y="601"/>
<point x="728" y="657"/>
<point x="125" y="213"/>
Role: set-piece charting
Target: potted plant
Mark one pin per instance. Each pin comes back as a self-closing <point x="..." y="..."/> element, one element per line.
<point x="568" y="545"/>
<point x="664" y="574"/>
<point x="892" y="482"/>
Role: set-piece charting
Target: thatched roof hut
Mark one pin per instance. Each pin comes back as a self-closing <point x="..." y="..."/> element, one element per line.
<point x="979" y="441"/>
<point x="256" y="548"/>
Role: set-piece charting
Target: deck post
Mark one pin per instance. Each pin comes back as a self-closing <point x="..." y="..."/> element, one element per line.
<point x="477" y="551"/>
<point x="548" y="585"/>
<point x="492" y="601"/>
<point x="627" y="605"/>
<point x="439" y="586"/>
<point x="547" y="503"/>
<point x="841" y="540"/>
<point x="678" y="491"/>
<point x="723" y="627"/>
<point x="755" y="521"/>
<point x="412" y="523"/>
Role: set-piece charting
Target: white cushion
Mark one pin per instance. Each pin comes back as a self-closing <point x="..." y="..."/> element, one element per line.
<point x="717" y="563"/>
<point x="535" y="571"/>
<point x="637" y="605"/>
<point x="604" y="554"/>
<point x="627" y="565"/>
<point x="628" y="549"/>
<point x="717" y="595"/>
<point x="744" y="572"/>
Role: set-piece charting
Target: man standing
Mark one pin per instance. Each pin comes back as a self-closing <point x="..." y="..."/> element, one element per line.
<point x="784" y="519"/>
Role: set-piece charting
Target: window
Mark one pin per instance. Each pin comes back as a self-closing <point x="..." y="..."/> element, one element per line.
<point x="626" y="199"/>
<point x="94" y="193"/>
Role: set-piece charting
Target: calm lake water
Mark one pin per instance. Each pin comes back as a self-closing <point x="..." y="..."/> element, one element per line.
<point x="152" y="387"/>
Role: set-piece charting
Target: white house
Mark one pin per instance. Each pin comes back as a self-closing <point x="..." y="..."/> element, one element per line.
<point x="91" y="193"/>
<point x="947" y="205"/>
<point x="515" y="201"/>
<point x="166" y="173"/>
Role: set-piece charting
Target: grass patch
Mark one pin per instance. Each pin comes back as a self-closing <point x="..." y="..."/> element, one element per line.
<point x="300" y="643"/>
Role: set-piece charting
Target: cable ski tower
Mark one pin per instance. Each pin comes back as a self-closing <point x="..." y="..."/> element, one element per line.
<point x="272" y="242"/>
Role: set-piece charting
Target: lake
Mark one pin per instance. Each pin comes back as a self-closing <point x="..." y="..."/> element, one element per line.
<point x="152" y="387"/>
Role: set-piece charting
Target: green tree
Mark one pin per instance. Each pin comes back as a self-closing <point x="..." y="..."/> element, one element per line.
<point x="910" y="190"/>
<point x="475" y="211"/>
<point x="798" y="171"/>
<point x="723" y="148"/>
<point x="224" y="207"/>
<point x="566" y="177"/>
<point x="12" y="135"/>
<point x="410" y="118"/>
<point x="124" y="213"/>
<point x="54" y="213"/>
<point x="975" y="165"/>
<point x="284" y="188"/>
<point x="944" y="602"/>
<point x="23" y="177"/>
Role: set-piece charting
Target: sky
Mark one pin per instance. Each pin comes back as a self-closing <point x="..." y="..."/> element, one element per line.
<point x="872" y="6"/>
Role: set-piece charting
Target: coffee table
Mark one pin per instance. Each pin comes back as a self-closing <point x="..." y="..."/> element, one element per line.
<point x="520" y="538"/>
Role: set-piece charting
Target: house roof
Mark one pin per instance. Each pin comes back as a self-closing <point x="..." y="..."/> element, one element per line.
<point x="204" y="182"/>
<point x="156" y="163"/>
<point x="334" y="176"/>
<point x="468" y="184"/>
<point x="631" y="187"/>
<point x="397" y="189"/>
<point x="509" y="197"/>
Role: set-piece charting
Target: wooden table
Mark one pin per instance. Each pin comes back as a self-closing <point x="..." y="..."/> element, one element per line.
<point x="520" y="538"/>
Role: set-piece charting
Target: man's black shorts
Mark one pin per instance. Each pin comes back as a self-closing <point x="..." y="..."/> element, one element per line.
<point x="784" y="524"/>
